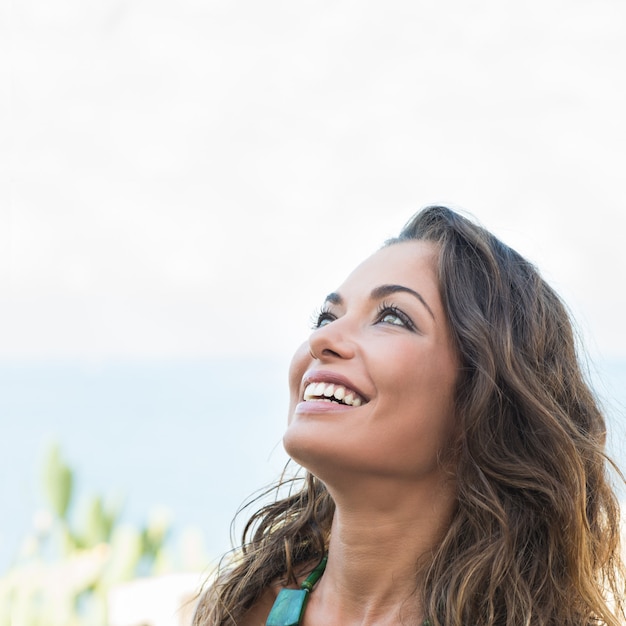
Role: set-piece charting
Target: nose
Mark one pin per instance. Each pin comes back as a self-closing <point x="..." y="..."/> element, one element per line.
<point x="332" y="341"/>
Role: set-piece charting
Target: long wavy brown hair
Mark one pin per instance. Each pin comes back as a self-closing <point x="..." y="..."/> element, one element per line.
<point x="535" y="538"/>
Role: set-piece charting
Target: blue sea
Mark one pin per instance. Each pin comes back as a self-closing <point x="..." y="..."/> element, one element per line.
<point x="193" y="437"/>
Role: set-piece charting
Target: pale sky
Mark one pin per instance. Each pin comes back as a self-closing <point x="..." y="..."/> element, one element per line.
<point x="189" y="178"/>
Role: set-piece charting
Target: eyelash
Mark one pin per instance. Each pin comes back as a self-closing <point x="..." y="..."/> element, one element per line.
<point x="320" y="316"/>
<point x="384" y="308"/>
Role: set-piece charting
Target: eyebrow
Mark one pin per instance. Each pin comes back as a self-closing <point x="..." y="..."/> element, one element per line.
<point x="381" y="292"/>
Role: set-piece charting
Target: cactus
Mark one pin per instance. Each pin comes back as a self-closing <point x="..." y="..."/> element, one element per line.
<point x="65" y="570"/>
<point x="99" y="522"/>
<point x="58" y="482"/>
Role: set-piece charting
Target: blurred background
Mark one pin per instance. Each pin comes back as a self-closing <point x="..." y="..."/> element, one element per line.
<point x="181" y="183"/>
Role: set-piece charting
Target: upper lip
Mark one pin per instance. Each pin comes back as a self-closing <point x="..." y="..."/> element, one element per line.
<point x="321" y="376"/>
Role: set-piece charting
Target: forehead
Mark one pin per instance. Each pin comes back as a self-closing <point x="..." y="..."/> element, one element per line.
<point x="409" y="263"/>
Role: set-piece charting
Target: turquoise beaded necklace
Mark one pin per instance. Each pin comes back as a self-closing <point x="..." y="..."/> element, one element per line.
<point x="288" y="609"/>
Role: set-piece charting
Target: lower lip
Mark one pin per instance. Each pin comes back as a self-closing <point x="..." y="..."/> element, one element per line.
<point x="320" y="406"/>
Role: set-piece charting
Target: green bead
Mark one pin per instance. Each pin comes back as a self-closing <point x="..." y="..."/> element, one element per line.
<point x="315" y="575"/>
<point x="288" y="608"/>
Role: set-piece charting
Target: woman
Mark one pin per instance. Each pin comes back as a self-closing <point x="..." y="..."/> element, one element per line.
<point x="455" y="455"/>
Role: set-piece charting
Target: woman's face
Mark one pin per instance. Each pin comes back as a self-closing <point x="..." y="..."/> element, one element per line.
<point x="372" y="389"/>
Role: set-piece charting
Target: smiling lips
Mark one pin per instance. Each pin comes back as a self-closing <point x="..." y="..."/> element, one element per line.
<point x="331" y="392"/>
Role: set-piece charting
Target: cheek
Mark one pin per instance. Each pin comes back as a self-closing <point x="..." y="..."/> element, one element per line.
<point x="438" y="398"/>
<point x="421" y="393"/>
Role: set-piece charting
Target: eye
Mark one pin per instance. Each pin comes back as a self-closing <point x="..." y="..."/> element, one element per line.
<point x="322" y="318"/>
<point x="389" y="314"/>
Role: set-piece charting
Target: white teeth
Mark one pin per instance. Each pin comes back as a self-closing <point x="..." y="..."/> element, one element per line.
<point x="326" y="391"/>
<point x="309" y="392"/>
<point x="319" y="389"/>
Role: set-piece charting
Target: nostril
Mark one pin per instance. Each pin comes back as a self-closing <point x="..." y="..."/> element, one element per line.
<point x="329" y="352"/>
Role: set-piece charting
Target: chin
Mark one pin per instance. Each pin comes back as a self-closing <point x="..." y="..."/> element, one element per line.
<point x="303" y="444"/>
<point x="296" y="444"/>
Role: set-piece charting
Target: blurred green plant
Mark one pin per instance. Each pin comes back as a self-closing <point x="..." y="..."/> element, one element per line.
<point x="65" y="569"/>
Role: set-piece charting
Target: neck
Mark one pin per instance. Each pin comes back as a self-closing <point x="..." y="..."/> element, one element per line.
<point x="377" y="544"/>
